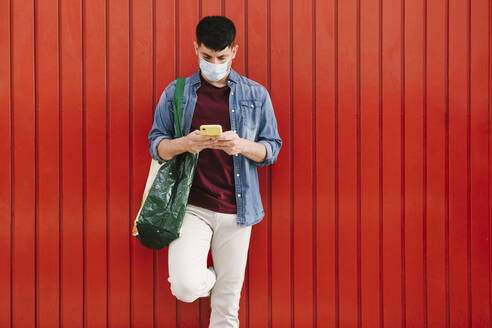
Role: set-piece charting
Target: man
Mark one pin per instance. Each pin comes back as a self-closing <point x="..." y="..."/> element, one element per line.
<point x="224" y="199"/>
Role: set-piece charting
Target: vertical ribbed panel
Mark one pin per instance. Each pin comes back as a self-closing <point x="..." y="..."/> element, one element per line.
<point x="377" y="212"/>
<point x="6" y="162"/>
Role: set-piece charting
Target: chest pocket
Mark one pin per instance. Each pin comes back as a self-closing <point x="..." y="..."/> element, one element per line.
<point x="250" y="110"/>
<point x="250" y="115"/>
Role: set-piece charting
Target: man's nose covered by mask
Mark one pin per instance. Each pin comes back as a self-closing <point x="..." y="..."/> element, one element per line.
<point x="213" y="72"/>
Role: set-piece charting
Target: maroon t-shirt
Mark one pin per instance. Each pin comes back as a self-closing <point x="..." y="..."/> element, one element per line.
<point x="213" y="185"/>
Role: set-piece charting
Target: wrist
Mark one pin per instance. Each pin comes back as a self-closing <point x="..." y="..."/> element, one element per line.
<point x="243" y="145"/>
<point x="182" y="144"/>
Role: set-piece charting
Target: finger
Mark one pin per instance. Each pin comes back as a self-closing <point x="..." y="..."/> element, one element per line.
<point x="223" y="145"/>
<point x="222" y="148"/>
<point x="230" y="138"/>
<point x="224" y="140"/>
<point x="201" y="139"/>
<point x="211" y="141"/>
<point x="226" y="135"/>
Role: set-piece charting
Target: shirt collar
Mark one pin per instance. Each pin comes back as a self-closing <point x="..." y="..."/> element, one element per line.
<point x="233" y="76"/>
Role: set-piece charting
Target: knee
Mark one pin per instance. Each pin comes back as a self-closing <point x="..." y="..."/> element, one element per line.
<point x="186" y="289"/>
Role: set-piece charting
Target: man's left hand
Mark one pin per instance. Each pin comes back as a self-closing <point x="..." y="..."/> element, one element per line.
<point x="229" y="142"/>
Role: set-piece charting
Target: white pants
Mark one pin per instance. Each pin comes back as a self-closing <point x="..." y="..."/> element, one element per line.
<point x="188" y="273"/>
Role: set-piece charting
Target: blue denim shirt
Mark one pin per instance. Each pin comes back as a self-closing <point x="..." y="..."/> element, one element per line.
<point x="252" y="117"/>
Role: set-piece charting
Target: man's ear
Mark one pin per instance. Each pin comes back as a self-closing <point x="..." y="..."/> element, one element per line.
<point x="234" y="51"/>
<point x="195" y="45"/>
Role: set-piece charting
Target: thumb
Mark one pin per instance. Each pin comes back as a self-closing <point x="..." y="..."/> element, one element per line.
<point x="196" y="132"/>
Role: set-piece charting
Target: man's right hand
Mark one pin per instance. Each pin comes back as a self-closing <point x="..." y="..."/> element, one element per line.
<point x="195" y="142"/>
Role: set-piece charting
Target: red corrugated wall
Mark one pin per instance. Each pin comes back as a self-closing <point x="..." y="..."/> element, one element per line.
<point x="377" y="211"/>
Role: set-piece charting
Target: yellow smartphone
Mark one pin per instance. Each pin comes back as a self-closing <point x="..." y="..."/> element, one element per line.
<point x="211" y="130"/>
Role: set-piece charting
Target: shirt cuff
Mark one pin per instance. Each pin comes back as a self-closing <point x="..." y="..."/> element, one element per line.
<point x="269" y="154"/>
<point x="153" y="149"/>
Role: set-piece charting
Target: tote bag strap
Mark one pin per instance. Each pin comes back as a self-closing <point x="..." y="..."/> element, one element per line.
<point x="178" y="100"/>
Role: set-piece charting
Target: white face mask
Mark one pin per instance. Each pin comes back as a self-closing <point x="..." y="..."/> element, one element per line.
<point x="213" y="72"/>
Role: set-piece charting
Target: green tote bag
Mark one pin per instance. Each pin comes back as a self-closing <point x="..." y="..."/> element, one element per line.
<point x="161" y="214"/>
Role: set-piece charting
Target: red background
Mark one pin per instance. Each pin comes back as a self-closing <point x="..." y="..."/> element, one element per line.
<point x="378" y="209"/>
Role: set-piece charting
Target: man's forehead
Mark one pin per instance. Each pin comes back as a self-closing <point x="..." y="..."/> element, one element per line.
<point x="204" y="49"/>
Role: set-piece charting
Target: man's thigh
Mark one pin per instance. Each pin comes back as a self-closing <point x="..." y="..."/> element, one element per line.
<point x="230" y="245"/>
<point x="188" y="254"/>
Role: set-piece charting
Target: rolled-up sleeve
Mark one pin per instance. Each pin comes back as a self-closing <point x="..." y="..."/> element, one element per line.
<point x="163" y="125"/>
<point x="268" y="132"/>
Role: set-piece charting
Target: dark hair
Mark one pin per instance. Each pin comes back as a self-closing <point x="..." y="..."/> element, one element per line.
<point x="215" y="32"/>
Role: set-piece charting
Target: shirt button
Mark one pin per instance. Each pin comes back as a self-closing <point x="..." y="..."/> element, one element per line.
<point x="234" y="131"/>
<point x="239" y="195"/>
<point x="237" y="174"/>
<point x="252" y="106"/>
<point x="233" y="110"/>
